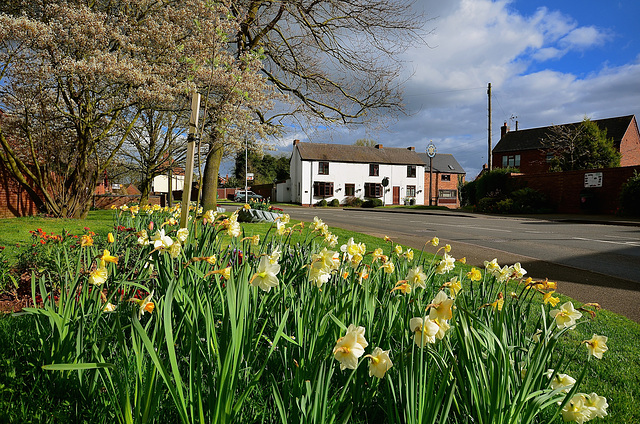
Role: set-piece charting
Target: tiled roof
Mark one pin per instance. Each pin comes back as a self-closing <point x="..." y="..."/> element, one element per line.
<point x="444" y="163"/>
<point x="530" y="139"/>
<point x="358" y="154"/>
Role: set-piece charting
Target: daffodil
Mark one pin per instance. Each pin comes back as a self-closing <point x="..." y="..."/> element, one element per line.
<point x="597" y="405"/>
<point x="454" y="287"/>
<point x="434" y="241"/>
<point x="518" y="271"/>
<point x="331" y="239"/>
<point x="209" y="216"/>
<point x="350" y="347"/>
<point x="408" y="254"/>
<point x="246" y="207"/>
<point x="161" y="241"/>
<point x="106" y="257"/>
<point x="379" y="362"/>
<point x="143" y="237"/>
<point x="175" y="249"/>
<point x="397" y="249"/>
<point x="403" y="286"/>
<point x="388" y="267"/>
<point x="548" y="298"/>
<point x="474" y="274"/>
<point x="145" y="305"/>
<point x="498" y="304"/>
<point x="109" y="307"/>
<point x="182" y="234"/>
<point x="447" y="248"/>
<point x="86" y="241"/>
<point x="447" y="264"/>
<point x="441" y="307"/>
<point x="597" y="345"/>
<point x="98" y="276"/>
<point x="562" y="381"/>
<point x="280" y="228"/>
<point x="416" y="277"/>
<point x="110" y="238"/>
<point x="285" y="218"/>
<point x="265" y="276"/>
<point x="492" y="266"/>
<point x="566" y="316"/>
<point x="575" y="410"/>
<point x="424" y="331"/>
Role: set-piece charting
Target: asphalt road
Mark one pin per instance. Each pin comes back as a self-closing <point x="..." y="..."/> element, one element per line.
<point x="592" y="262"/>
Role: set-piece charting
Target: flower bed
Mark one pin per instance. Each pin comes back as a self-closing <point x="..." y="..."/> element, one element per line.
<point x="164" y="324"/>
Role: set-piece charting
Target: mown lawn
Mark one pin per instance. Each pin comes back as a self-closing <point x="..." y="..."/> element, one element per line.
<point x="24" y="385"/>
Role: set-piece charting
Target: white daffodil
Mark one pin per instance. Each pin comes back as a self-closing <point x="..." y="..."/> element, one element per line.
<point x="349" y="348"/>
<point x="424" y="331"/>
<point x="448" y="263"/>
<point x="597" y="345"/>
<point x="441" y="307"/>
<point x="182" y="234"/>
<point x="566" y="316"/>
<point x="379" y="362"/>
<point x="98" y="276"/>
<point x="161" y="241"/>
<point x="265" y="276"/>
<point x="416" y="277"/>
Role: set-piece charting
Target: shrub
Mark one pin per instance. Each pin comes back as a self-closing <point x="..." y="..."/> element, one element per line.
<point x="353" y="201"/>
<point x="371" y="203"/>
<point x="322" y="203"/>
<point x="630" y="196"/>
<point x="487" y="205"/>
<point x="494" y="183"/>
<point x="528" y="200"/>
<point x="468" y="193"/>
<point x="334" y="203"/>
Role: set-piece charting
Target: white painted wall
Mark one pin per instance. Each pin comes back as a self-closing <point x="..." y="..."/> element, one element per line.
<point x="161" y="183"/>
<point x="283" y="192"/>
<point x="305" y="173"/>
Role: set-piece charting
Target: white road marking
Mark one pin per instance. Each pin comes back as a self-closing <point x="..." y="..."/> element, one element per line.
<point x="626" y="243"/>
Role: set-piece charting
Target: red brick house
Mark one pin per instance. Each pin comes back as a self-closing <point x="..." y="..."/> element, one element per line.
<point x="524" y="149"/>
<point x="445" y="181"/>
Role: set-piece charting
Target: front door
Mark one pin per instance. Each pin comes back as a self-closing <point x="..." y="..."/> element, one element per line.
<point x="396" y="195"/>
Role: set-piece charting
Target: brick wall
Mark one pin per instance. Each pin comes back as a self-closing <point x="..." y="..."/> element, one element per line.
<point x="438" y="184"/>
<point x="567" y="194"/>
<point x="105" y="201"/>
<point x="14" y="199"/>
<point x="630" y="145"/>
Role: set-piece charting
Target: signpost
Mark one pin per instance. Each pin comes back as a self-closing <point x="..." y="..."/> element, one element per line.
<point x="431" y="152"/>
<point x="188" y="173"/>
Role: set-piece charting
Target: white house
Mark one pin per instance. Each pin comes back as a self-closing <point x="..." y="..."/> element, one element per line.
<point x="336" y="171"/>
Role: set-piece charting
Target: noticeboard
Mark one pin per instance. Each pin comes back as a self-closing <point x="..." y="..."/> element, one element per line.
<point x="593" y="179"/>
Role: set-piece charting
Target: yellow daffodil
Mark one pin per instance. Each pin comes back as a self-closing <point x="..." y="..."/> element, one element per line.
<point x="86" y="241"/>
<point x="345" y="275"/>
<point x="403" y="286"/>
<point x="408" y="254"/>
<point x="350" y="347"/>
<point x="246" y="207"/>
<point x="474" y="274"/>
<point x="362" y="275"/>
<point x="434" y="241"/>
<point x="377" y="253"/>
<point x="388" y="267"/>
<point x="209" y="217"/>
<point x="548" y="298"/>
<point x="175" y="249"/>
<point x="106" y="257"/>
<point x="387" y="238"/>
<point x="398" y="249"/>
<point x="284" y="218"/>
<point x="597" y="345"/>
<point x="566" y="316"/>
<point x="379" y="362"/>
<point x="265" y="276"/>
<point x="454" y="287"/>
<point x="110" y="238"/>
<point x="463" y="260"/>
<point x="498" y="303"/>
<point x="447" y="248"/>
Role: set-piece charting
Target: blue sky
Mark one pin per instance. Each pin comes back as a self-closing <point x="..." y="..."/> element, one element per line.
<point x="549" y="62"/>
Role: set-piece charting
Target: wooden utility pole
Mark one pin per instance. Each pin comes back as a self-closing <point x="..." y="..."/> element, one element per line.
<point x="489" y="159"/>
<point x="188" y="172"/>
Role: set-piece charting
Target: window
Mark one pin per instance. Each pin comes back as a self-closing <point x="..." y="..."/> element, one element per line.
<point x="411" y="171"/>
<point x="322" y="189"/>
<point x="447" y="194"/>
<point x="374" y="170"/>
<point x="511" y="161"/>
<point x="411" y="191"/>
<point x="349" y="189"/>
<point x="445" y="177"/>
<point x="372" y="190"/>
<point x="323" y="168"/>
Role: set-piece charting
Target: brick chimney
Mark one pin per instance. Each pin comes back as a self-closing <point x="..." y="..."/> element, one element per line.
<point x="378" y="146"/>
<point x="413" y="149"/>
<point x="504" y="129"/>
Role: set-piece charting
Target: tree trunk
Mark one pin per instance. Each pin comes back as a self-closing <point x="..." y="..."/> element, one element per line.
<point x="145" y="189"/>
<point x="210" y="177"/>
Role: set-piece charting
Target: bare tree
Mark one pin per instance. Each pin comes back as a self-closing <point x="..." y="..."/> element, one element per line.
<point x="336" y="61"/>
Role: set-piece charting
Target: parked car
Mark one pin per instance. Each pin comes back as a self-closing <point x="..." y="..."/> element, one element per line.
<point x="242" y="197"/>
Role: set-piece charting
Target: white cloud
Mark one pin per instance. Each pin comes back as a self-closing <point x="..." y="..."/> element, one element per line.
<point x="479" y="41"/>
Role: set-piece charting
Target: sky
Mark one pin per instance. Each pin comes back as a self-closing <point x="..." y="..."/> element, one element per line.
<point x="548" y="62"/>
